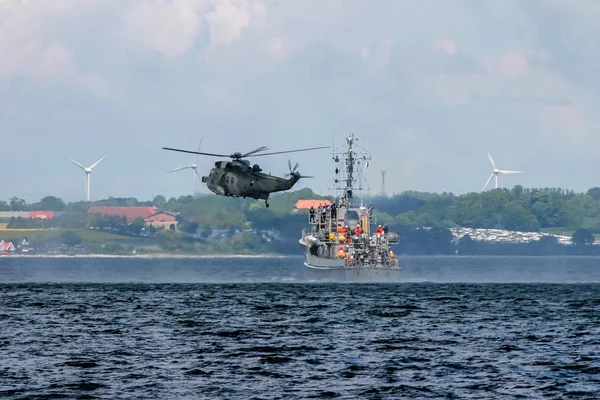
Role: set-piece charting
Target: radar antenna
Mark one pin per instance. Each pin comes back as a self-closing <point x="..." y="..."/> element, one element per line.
<point x="349" y="164"/>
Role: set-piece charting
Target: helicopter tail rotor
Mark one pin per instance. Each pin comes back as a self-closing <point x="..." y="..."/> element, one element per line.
<point x="294" y="171"/>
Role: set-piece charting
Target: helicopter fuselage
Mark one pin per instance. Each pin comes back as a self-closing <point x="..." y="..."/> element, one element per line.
<point x="237" y="178"/>
<point x="241" y="180"/>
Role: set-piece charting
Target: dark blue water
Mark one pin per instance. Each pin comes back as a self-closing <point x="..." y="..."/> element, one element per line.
<point x="122" y="328"/>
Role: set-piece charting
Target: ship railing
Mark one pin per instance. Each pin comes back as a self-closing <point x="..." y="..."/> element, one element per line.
<point x="321" y="220"/>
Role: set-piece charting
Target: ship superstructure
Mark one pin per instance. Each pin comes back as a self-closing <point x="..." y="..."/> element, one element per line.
<point x="341" y="238"/>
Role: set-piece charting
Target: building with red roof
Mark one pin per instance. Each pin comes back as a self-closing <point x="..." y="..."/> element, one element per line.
<point x="162" y="218"/>
<point x="306" y="204"/>
<point x="41" y="214"/>
<point x="127" y="212"/>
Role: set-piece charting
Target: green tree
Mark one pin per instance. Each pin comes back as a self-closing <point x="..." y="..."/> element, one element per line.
<point x="406" y="219"/>
<point x="582" y="237"/>
<point x="383" y="218"/>
<point x="189" y="226"/>
<point x="4" y="206"/>
<point x="17" y="204"/>
<point x="517" y="218"/>
<point x="51" y="203"/>
<point x="159" y="201"/>
<point x="426" y="219"/>
<point x="594" y="193"/>
<point x="137" y="225"/>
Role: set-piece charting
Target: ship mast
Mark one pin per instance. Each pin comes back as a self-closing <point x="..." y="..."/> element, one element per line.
<point x="349" y="177"/>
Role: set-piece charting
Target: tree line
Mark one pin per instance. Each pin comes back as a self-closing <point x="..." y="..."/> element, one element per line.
<point x="518" y="209"/>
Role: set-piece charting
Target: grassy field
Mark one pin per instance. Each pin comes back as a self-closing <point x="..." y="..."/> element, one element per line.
<point x="88" y="235"/>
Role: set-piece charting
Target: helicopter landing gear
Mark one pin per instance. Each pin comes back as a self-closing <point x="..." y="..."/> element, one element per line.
<point x="266" y="204"/>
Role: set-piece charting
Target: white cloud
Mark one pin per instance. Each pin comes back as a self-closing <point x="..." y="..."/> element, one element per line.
<point x="230" y="17"/>
<point x="166" y="26"/>
<point x="29" y="48"/>
<point x="248" y="69"/>
<point x="509" y="79"/>
<point x="446" y="45"/>
<point x="511" y="64"/>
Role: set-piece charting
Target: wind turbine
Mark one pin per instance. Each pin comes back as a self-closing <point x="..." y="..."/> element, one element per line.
<point x="193" y="166"/>
<point x="497" y="172"/>
<point x="88" y="172"/>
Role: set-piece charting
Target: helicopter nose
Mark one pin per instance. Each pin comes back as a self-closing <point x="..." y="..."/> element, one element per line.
<point x="204" y="179"/>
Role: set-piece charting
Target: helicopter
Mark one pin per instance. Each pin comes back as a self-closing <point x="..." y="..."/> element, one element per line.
<point x="238" y="178"/>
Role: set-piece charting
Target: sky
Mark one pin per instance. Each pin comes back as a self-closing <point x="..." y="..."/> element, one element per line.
<point x="430" y="85"/>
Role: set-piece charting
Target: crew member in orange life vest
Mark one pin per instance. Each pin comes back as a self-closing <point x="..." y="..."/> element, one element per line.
<point x="358" y="230"/>
<point x="379" y="231"/>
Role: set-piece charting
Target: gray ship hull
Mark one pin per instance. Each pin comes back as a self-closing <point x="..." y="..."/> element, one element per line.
<point x="335" y="269"/>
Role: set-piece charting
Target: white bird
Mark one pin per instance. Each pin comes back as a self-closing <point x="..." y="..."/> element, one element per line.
<point x="88" y="172"/>
<point x="192" y="166"/>
<point x="497" y="172"/>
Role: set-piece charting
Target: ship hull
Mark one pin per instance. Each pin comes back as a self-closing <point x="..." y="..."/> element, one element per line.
<point x="320" y="268"/>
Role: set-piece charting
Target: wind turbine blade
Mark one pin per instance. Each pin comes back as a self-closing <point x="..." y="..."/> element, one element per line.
<point x="76" y="163"/>
<point x="491" y="159"/>
<point x="177" y="169"/>
<point x="488" y="182"/>
<point x="506" y="171"/>
<point x="199" y="146"/>
<point x="198" y="174"/>
<point x="97" y="162"/>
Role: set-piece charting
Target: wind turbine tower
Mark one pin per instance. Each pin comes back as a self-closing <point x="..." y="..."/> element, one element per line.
<point x="88" y="173"/>
<point x="192" y="166"/>
<point x="497" y="172"/>
<point x="383" y="193"/>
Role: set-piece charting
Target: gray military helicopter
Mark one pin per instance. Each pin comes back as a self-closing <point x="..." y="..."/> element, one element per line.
<point x="237" y="178"/>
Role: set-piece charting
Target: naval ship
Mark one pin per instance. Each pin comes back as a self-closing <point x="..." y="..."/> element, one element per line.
<point x="341" y="240"/>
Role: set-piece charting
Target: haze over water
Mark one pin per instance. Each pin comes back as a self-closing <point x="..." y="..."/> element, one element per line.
<point x="468" y="327"/>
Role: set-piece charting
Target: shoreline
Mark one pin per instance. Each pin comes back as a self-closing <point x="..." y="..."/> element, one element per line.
<point x="149" y="256"/>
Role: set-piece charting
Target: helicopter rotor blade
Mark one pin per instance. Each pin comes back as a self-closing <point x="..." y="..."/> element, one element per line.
<point x="291" y="151"/>
<point x="296" y="167"/>
<point x="261" y="148"/>
<point x="196" y="152"/>
<point x="177" y="169"/>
